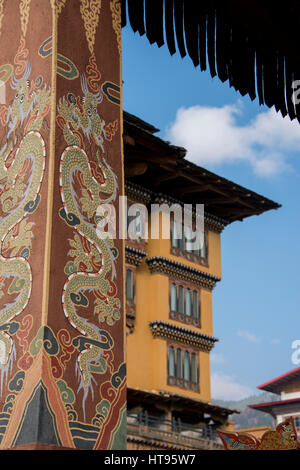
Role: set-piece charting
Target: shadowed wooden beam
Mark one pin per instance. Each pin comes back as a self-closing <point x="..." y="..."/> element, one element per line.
<point x="135" y="169"/>
<point x="144" y="156"/>
<point x="167" y="177"/>
<point x="199" y="188"/>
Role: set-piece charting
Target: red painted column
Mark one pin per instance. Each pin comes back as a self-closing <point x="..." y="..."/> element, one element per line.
<point x="62" y="370"/>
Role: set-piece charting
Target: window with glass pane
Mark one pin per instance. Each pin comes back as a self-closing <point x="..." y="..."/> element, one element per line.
<point x="129" y="285"/>
<point x="180" y="299"/>
<point x="174" y="239"/>
<point x="194" y="373"/>
<point x="188" y="239"/>
<point x="183" y="368"/>
<point x="187" y="243"/>
<point x="138" y="224"/>
<point x="181" y="237"/>
<point x="171" y="362"/>
<point x="130" y="226"/>
<point x="203" y="248"/>
<point x="173" y="298"/>
<point x="178" y="364"/>
<point x="186" y="366"/>
<point x="188" y="302"/>
<point x="184" y="304"/>
<point x="196" y="305"/>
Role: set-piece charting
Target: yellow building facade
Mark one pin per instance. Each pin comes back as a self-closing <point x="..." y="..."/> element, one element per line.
<point x="154" y="279"/>
<point x="169" y="289"/>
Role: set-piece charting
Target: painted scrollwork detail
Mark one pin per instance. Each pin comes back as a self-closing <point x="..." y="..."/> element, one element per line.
<point x="22" y="165"/>
<point x="87" y="181"/>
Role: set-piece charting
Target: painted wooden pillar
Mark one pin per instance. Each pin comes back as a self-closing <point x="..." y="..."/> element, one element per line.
<point x="62" y="371"/>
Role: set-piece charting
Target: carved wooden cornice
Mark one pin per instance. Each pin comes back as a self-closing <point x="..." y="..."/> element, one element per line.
<point x="158" y="264"/>
<point x="134" y="256"/>
<point x="212" y="222"/>
<point x="145" y="196"/>
<point x="130" y="320"/>
<point x="137" y="193"/>
<point x="183" y="335"/>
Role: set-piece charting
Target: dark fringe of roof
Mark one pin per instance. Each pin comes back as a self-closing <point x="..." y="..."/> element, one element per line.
<point x="255" y="53"/>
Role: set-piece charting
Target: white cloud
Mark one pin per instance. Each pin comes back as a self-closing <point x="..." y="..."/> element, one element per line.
<point x="275" y="341"/>
<point x="217" y="358"/>
<point x="213" y="136"/>
<point x="224" y="387"/>
<point x="248" y="336"/>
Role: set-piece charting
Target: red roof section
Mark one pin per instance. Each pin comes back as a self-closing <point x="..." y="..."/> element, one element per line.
<point x="277" y="385"/>
<point x="269" y="407"/>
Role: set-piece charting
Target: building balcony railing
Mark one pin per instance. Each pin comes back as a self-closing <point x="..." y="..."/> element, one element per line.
<point x="172" y="432"/>
<point x="190" y="320"/>
<point x="185" y="384"/>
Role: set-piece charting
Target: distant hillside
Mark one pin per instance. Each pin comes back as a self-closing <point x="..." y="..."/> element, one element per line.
<point x="249" y="418"/>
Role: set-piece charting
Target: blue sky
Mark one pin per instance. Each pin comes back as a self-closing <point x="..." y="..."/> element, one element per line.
<point x="256" y="305"/>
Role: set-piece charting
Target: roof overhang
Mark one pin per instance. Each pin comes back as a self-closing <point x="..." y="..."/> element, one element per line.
<point x="276" y="406"/>
<point x="154" y="164"/>
<point x="278" y="384"/>
<point x="179" y="402"/>
<point x="252" y="45"/>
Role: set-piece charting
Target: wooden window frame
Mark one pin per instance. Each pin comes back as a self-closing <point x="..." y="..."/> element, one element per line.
<point x="130" y="303"/>
<point x="182" y="317"/>
<point x="180" y="382"/>
<point x="183" y="253"/>
<point x="131" y="298"/>
<point x="139" y="242"/>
